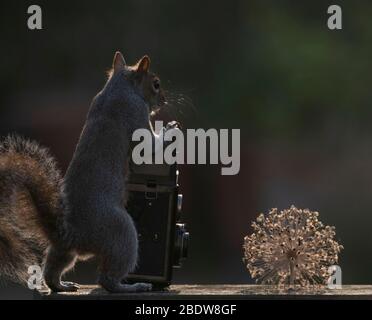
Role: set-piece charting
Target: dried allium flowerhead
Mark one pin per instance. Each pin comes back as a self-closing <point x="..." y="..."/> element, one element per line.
<point x="290" y="247"/>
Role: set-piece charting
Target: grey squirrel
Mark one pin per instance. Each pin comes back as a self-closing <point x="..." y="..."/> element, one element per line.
<point x="47" y="218"/>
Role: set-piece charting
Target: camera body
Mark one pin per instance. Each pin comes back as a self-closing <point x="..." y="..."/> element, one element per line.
<point x="155" y="206"/>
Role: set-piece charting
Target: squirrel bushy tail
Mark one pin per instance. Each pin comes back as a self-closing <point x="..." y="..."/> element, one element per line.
<point x="30" y="204"/>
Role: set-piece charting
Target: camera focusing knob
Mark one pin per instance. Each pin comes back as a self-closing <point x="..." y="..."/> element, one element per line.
<point x="179" y="205"/>
<point x="179" y="202"/>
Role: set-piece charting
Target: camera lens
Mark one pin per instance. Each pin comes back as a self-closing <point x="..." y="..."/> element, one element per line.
<point x="181" y="245"/>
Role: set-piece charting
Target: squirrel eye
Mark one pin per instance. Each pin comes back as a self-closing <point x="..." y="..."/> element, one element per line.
<point x="156" y="84"/>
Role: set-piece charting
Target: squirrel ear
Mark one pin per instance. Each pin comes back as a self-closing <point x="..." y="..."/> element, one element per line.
<point x="144" y="64"/>
<point x="119" y="62"/>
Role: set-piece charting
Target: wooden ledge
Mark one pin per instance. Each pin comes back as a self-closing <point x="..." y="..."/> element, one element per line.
<point x="226" y="292"/>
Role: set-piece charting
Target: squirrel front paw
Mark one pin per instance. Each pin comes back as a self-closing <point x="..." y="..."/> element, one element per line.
<point x="172" y="125"/>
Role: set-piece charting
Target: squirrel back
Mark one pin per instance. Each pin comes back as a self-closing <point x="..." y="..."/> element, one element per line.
<point x="95" y="178"/>
<point x="30" y="205"/>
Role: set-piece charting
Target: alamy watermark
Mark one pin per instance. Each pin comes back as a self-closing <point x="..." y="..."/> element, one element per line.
<point x="35" y="279"/>
<point x="334" y="21"/>
<point x="34" y="21"/>
<point x="335" y="278"/>
<point x="169" y="147"/>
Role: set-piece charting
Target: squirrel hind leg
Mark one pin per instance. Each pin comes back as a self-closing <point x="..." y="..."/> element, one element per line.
<point x="119" y="257"/>
<point x="57" y="263"/>
<point x="114" y="268"/>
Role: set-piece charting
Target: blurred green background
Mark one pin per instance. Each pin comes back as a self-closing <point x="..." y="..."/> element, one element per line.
<point x="299" y="92"/>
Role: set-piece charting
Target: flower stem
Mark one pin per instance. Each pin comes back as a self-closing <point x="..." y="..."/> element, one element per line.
<point x="291" y="273"/>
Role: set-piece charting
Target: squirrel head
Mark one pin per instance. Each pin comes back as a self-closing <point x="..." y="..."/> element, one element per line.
<point x="146" y="82"/>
